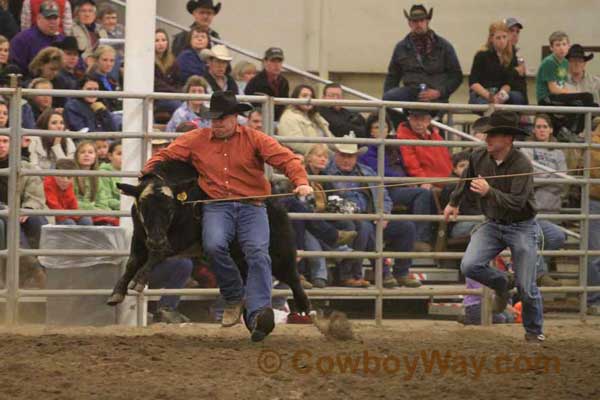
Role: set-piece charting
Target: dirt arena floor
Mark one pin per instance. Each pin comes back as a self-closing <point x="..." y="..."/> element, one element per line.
<point x="402" y="360"/>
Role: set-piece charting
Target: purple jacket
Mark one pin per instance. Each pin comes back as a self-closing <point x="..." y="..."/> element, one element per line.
<point x="394" y="165"/>
<point x="26" y="44"/>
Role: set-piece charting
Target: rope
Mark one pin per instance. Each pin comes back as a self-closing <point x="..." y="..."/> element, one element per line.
<point x="392" y="185"/>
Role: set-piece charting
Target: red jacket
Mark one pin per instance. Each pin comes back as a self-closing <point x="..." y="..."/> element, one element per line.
<point x="57" y="199"/>
<point x="424" y="161"/>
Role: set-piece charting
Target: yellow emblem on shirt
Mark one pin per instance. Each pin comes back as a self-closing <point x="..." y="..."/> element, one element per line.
<point x="182" y="196"/>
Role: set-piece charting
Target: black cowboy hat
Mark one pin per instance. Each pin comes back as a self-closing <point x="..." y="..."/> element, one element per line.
<point x="193" y="4"/>
<point x="505" y="123"/>
<point x="69" y="43"/>
<point x="418" y="12"/>
<point x="576" y="51"/>
<point x="224" y="103"/>
<point x="481" y="124"/>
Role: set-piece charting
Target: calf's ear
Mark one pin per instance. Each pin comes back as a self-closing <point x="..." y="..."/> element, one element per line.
<point x="129" y="190"/>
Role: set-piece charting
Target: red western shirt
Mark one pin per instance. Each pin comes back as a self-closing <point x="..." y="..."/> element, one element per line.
<point x="424" y="161"/>
<point x="232" y="167"/>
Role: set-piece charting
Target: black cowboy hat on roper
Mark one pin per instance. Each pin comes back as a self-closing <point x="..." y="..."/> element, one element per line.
<point x="504" y="123"/>
<point x="418" y="12"/>
<point x="194" y="4"/>
<point x="223" y="104"/>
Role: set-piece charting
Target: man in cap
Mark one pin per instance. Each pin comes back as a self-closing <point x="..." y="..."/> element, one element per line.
<point x="341" y="120"/>
<point x="270" y="80"/>
<point x="398" y="235"/>
<point x="26" y="44"/>
<point x="203" y="11"/>
<point x="579" y="80"/>
<point x="519" y="82"/>
<point x="217" y="61"/>
<point x="425" y="62"/>
<point x="230" y="160"/>
<point x="509" y="207"/>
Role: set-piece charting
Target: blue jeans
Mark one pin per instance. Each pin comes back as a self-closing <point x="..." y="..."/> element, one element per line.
<point x="420" y="202"/>
<point x="514" y="97"/>
<point x="85" y="221"/>
<point x="462" y="228"/>
<point x="594" y="262"/>
<point x="553" y="238"/>
<point x="316" y="267"/>
<point x="522" y="238"/>
<point x="31" y="230"/>
<point x="322" y="230"/>
<point x="172" y="273"/>
<point x="398" y="236"/>
<point x="404" y="93"/>
<point x="249" y="224"/>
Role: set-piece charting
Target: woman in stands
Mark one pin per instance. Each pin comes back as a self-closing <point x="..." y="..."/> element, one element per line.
<point x="243" y="72"/>
<point x="88" y="113"/>
<point x="167" y="78"/>
<point x="36" y="105"/>
<point x="493" y="70"/>
<point x="190" y="62"/>
<point x="91" y="195"/>
<point x="191" y="109"/>
<point x="46" y="64"/>
<point x="103" y="63"/>
<point x="303" y="120"/>
<point x="5" y="67"/>
<point x="44" y="151"/>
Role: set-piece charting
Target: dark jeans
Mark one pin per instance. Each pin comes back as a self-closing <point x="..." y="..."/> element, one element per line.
<point x="84" y="221"/>
<point x="172" y="273"/>
<point x="31" y="230"/>
<point x="514" y="97"/>
<point x="320" y="229"/>
<point x="420" y="202"/>
<point x="404" y="93"/>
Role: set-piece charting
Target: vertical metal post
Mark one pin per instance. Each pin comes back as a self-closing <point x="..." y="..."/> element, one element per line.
<point x="14" y="201"/>
<point x="486" y="306"/>
<point x="585" y="210"/>
<point x="266" y="120"/>
<point x="379" y="227"/>
<point x="269" y="116"/>
<point x="148" y="116"/>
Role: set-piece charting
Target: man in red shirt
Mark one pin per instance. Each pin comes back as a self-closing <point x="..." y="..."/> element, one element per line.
<point x="230" y="161"/>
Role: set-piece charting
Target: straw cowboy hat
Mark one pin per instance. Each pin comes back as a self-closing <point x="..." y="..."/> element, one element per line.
<point x="349" y="148"/>
<point x="418" y="12"/>
<point x="218" y="51"/>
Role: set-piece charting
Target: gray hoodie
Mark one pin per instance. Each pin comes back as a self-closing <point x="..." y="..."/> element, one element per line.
<point x="547" y="195"/>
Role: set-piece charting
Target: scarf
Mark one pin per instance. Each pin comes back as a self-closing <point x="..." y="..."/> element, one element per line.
<point x="423" y="43"/>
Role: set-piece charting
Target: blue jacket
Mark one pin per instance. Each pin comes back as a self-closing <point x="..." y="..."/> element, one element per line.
<point x="394" y="164"/>
<point x="190" y="64"/>
<point x="79" y="115"/>
<point x="357" y="196"/>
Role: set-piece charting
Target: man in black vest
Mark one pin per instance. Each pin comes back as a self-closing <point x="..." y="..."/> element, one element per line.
<point x="270" y="80"/>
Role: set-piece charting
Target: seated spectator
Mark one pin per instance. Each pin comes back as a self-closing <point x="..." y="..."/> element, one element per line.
<point x="109" y="21"/>
<point x="5" y="67"/>
<point x="45" y="151"/>
<point x="91" y="195"/>
<point x="115" y="156"/>
<point x="341" y="121"/>
<point x="593" y="267"/>
<point x="423" y="161"/>
<point x="102" y="146"/>
<point x="88" y="113"/>
<point x="26" y="44"/>
<point x="86" y="30"/>
<point x="520" y="78"/>
<point x="38" y="104"/>
<point x="493" y="70"/>
<point x="191" y="110"/>
<point x="303" y="120"/>
<point x="217" y="61"/>
<point x="552" y="90"/>
<point x="548" y="197"/>
<point x="472" y="306"/>
<point x="204" y="12"/>
<point x="31" y="10"/>
<point x="46" y="64"/>
<point x="73" y="68"/>
<point x="243" y="72"/>
<point x="579" y="81"/>
<point x="425" y="62"/>
<point x="8" y="24"/>
<point x="417" y="200"/>
<point x="270" y="81"/>
<point x="101" y="66"/>
<point x="167" y="77"/>
<point x="3" y="114"/>
<point x="61" y="196"/>
<point x="255" y="120"/>
<point x="189" y="60"/>
<point x="398" y="235"/>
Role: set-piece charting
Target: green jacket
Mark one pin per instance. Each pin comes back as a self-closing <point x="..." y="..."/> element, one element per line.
<point x="109" y="185"/>
<point x="104" y="196"/>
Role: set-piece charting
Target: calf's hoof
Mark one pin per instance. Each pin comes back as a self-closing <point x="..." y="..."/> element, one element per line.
<point x="115" y="298"/>
<point x="139" y="287"/>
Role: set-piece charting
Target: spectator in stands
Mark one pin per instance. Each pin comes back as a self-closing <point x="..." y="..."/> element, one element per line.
<point x="425" y="62"/>
<point x="303" y="120"/>
<point x="5" y="67"/>
<point x="548" y="197"/>
<point x="38" y="104"/>
<point x="578" y="80"/>
<point x="398" y="235"/>
<point x="270" y="81"/>
<point x="102" y="65"/>
<point x="86" y="30"/>
<point x="46" y="64"/>
<point x="3" y="114"/>
<point x="593" y="299"/>
<point x="102" y="146"/>
<point x="204" y="12"/>
<point x="60" y="194"/>
<point x="217" y="61"/>
<point x="45" y="151"/>
<point x="191" y="110"/>
<point x="73" y="68"/>
<point x="31" y="190"/>
<point x="8" y="25"/>
<point x="26" y="44"/>
<point x="243" y="72"/>
<point x="88" y="113"/>
<point x="167" y="76"/>
<point x="493" y="70"/>
<point x="423" y="161"/>
<point x="255" y="120"/>
<point x="108" y="19"/>
<point x="341" y="120"/>
<point x="91" y="195"/>
<point x="109" y="183"/>
<point x="31" y="9"/>
<point x="520" y="78"/>
<point x="417" y="200"/>
<point x="189" y="60"/>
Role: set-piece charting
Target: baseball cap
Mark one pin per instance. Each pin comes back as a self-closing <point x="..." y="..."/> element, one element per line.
<point x="274" y="52"/>
<point x="49" y="9"/>
<point x="512" y="21"/>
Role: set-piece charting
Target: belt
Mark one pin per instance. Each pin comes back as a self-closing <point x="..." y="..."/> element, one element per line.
<point x="258" y="203"/>
<point x="501" y="222"/>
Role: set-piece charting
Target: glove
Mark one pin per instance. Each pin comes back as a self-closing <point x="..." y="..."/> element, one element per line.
<point x="98" y="106"/>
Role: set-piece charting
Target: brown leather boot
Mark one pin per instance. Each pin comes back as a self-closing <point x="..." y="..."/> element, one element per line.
<point x="345" y="238"/>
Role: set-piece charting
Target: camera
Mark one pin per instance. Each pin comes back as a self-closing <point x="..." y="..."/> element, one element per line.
<point x="339" y="205"/>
